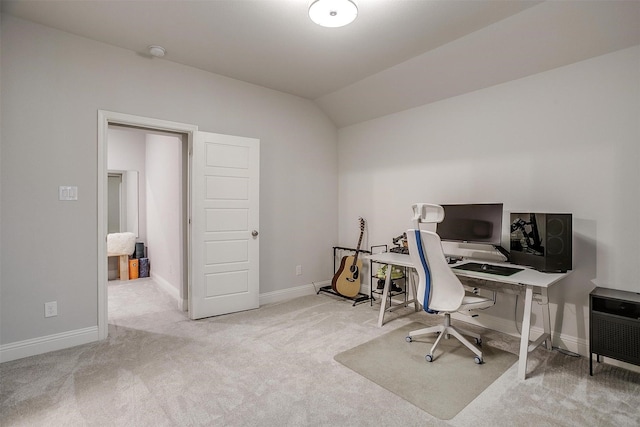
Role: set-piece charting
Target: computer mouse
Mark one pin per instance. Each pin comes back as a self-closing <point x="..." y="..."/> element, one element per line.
<point x="485" y="266"/>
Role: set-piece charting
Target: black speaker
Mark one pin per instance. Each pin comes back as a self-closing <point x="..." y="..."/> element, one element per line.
<point x="542" y="241"/>
<point x="139" y="253"/>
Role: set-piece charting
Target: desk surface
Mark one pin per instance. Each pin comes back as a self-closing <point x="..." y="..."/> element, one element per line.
<point x="528" y="276"/>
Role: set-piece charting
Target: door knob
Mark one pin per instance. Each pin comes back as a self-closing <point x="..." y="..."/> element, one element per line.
<point x="254" y="233"/>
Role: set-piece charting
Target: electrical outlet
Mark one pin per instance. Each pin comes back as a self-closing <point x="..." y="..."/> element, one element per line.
<point x="298" y="270"/>
<point x="51" y="309"/>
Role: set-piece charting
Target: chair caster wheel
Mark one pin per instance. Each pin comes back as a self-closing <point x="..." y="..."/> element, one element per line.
<point x="409" y="339"/>
<point x="428" y="358"/>
<point x="479" y="342"/>
<point x="478" y="360"/>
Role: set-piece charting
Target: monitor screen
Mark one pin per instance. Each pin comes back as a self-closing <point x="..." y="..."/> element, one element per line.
<point x="472" y="223"/>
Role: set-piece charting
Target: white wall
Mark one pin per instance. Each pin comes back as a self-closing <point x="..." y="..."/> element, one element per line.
<point x="567" y="140"/>
<point x="164" y="207"/>
<point x="53" y="85"/>
<point x="126" y="151"/>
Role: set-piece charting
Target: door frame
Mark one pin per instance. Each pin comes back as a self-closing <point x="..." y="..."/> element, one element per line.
<point x="105" y="118"/>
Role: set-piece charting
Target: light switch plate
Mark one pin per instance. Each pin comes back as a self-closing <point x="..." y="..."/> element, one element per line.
<point x="68" y="192"/>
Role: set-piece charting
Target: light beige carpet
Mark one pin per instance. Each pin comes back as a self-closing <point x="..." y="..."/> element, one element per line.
<point x="443" y="387"/>
<point x="275" y="366"/>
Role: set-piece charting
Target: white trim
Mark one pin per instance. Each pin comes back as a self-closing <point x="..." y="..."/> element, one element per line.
<point x="35" y="346"/>
<point x="169" y="289"/>
<point x="103" y="127"/>
<point x="562" y="341"/>
<point x="291" y="293"/>
<point x="104" y="118"/>
<point x="507" y="326"/>
<point x="613" y="362"/>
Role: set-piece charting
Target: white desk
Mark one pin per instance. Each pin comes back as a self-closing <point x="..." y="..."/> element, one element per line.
<point x="392" y="258"/>
<point x="528" y="280"/>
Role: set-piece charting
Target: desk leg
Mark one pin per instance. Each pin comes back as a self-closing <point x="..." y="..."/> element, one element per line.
<point x="526" y="330"/>
<point x="546" y="319"/>
<point x="416" y="305"/>
<point x="385" y="296"/>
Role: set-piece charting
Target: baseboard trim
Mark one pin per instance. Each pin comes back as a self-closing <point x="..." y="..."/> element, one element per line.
<point x="170" y="289"/>
<point x="506" y="326"/>
<point x="562" y="341"/>
<point x="290" y="293"/>
<point x="613" y="362"/>
<point x="35" y="346"/>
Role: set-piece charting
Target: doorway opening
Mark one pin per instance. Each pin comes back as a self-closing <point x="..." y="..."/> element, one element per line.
<point x="147" y="178"/>
<point x="220" y="199"/>
<point x="143" y="188"/>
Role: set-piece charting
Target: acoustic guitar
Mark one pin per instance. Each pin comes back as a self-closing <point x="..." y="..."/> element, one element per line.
<point x="346" y="281"/>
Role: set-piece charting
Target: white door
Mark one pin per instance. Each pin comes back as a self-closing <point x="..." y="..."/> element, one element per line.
<point x="225" y="173"/>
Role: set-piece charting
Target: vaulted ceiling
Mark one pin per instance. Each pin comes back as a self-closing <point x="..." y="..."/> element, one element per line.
<point x="398" y="54"/>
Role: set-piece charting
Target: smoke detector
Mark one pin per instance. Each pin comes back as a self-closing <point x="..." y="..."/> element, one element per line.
<point x="157" y="51"/>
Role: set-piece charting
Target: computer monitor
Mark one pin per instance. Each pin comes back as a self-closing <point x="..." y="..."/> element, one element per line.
<point x="472" y="223"/>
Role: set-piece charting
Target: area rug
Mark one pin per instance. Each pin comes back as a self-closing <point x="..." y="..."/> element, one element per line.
<point x="441" y="388"/>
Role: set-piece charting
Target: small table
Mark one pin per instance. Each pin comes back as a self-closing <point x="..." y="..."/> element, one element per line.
<point x="527" y="280"/>
<point x="123" y="264"/>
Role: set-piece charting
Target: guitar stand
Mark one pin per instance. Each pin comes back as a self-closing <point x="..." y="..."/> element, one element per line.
<point x="360" y="297"/>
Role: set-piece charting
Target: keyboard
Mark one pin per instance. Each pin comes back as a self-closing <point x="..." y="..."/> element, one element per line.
<point x="498" y="270"/>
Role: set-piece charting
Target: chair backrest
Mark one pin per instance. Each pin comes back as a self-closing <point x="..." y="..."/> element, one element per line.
<point x="439" y="289"/>
<point x="426" y="213"/>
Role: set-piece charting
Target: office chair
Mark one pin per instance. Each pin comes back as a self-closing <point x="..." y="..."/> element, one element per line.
<point x="439" y="290"/>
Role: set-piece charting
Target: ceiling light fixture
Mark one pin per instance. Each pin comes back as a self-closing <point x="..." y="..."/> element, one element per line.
<point x="333" y="13"/>
<point x="157" y="51"/>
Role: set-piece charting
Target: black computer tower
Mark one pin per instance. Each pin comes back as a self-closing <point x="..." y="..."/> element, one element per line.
<point x="542" y="241"/>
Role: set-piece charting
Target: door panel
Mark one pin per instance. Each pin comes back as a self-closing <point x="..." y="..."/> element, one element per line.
<point x="227" y="283"/>
<point x="222" y="252"/>
<point x="224" y="212"/>
<point x="228" y="156"/>
<point x="226" y="188"/>
<point x="226" y="220"/>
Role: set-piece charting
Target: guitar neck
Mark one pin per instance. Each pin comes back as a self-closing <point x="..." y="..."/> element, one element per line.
<point x="355" y="258"/>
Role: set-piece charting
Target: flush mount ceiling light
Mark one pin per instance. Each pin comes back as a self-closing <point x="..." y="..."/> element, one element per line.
<point x="333" y="13"/>
<point x="157" y="51"/>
